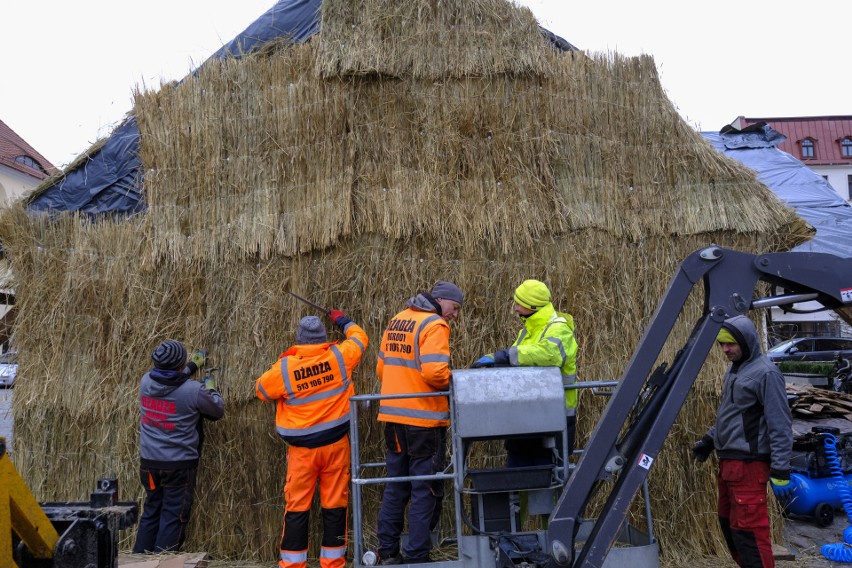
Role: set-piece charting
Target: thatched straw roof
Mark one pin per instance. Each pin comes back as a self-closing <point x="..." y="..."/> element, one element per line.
<point x="357" y="169"/>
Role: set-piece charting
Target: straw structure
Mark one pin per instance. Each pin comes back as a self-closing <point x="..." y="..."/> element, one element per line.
<point x="357" y="177"/>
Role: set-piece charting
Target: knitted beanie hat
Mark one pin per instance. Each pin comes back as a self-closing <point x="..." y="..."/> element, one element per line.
<point x="447" y="291"/>
<point x="725" y="336"/>
<point x="532" y="294"/>
<point x="311" y="330"/>
<point x="169" y="355"/>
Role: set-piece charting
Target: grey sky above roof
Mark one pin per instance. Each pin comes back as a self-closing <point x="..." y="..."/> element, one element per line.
<point x="716" y="61"/>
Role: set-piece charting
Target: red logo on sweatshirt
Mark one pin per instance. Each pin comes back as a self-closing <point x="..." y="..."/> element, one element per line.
<point x="156" y="412"/>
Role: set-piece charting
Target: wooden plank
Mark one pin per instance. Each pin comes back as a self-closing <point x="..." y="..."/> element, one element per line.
<point x="197" y="560"/>
<point x="186" y="560"/>
<point x="781" y="553"/>
<point x="843" y="404"/>
<point x="816" y="408"/>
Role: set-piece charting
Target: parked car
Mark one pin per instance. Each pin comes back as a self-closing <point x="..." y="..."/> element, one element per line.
<point x="8" y="369"/>
<point x="811" y="349"/>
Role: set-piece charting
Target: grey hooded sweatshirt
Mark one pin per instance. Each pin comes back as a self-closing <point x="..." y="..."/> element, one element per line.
<point x="172" y="407"/>
<point x="754" y="420"/>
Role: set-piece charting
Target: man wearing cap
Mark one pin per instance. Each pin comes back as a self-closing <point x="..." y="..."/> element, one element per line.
<point x="753" y="439"/>
<point x="414" y="357"/>
<point x="311" y="384"/>
<point x="170" y="440"/>
<point x="546" y="340"/>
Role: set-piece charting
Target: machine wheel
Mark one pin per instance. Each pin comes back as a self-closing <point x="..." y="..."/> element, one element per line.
<point x="824" y="515"/>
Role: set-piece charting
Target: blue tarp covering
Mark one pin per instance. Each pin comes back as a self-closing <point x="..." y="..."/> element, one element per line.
<point x="794" y="183"/>
<point x="106" y="182"/>
<point x="296" y="20"/>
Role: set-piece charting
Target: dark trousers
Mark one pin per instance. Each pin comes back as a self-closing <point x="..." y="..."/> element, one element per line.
<point x="411" y="450"/>
<point x="743" y="515"/>
<point x="165" y="515"/>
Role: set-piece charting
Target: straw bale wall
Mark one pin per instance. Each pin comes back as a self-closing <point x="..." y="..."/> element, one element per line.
<point x="316" y="170"/>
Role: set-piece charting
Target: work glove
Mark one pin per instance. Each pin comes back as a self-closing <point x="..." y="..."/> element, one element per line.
<point x="340" y="320"/>
<point x="702" y="449"/>
<point x="496" y="359"/>
<point x="210" y="383"/>
<point x="484" y="361"/>
<point x="197" y="358"/>
<point x="780" y="481"/>
<point x="501" y="358"/>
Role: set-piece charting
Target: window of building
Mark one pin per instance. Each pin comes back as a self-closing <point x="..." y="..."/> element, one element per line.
<point x="849" y="186"/>
<point x="846" y="147"/>
<point x="29" y="162"/>
<point x="807" y="148"/>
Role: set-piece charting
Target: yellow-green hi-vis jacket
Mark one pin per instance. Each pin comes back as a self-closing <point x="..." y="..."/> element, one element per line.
<point x="547" y="340"/>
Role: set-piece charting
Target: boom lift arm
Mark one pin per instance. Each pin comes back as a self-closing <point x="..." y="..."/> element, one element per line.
<point x="652" y="400"/>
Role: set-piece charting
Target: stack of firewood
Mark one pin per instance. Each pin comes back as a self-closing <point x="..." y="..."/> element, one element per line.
<point x="814" y="402"/>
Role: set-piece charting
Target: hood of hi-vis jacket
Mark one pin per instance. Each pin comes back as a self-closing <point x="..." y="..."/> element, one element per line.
<point x="414" y="357"/>
<point x="547" y="340"/>
<point x="754" y="420"/>
<point x="312" y="384"/>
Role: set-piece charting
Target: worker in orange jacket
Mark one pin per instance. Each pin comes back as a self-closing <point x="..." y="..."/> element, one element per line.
<point x="414" y="357"/>
<point x="312" y="384"/>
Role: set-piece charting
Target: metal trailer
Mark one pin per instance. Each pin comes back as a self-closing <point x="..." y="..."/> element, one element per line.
<point x="493" y="404"/>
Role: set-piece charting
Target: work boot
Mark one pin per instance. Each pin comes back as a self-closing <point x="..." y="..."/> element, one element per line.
<point x="398" y="559"/>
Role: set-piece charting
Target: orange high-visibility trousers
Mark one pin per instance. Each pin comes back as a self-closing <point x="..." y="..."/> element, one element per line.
<point x="328" y="465"/>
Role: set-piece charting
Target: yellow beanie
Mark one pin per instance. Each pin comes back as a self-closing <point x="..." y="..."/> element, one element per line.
<point x="532" y="294"/>
<point x="725" y="336"/>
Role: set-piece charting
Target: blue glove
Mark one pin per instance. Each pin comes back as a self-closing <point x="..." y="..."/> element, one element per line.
<point x="486" y="361"/>
<point x="501" y="358"/>
<point x="782" y="487"/>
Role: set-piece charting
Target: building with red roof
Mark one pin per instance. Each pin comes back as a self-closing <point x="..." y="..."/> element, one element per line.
<point x="21" y="167"/>
<point x="823" y="143"/>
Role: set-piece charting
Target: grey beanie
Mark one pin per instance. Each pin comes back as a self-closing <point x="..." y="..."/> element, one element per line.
<point x="447" y="291"/>
<point x="311" y="330"/>
<point x="169" y="355"/>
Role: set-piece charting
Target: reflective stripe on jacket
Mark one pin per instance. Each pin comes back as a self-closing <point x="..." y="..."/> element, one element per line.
<point x="312" y="384"/>
<point x="414" y="357"/>
<point x="547" y="340"/>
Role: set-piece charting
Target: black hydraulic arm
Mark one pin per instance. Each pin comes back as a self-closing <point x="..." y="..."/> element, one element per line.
<point x="652" y="400"/>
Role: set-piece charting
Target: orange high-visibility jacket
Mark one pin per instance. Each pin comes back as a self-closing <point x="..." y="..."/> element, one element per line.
<point x="312" y="384"/>
<point x="414" y="357"/>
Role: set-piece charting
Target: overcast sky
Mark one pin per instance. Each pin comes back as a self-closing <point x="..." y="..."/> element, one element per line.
<point x="71" y="67"/>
